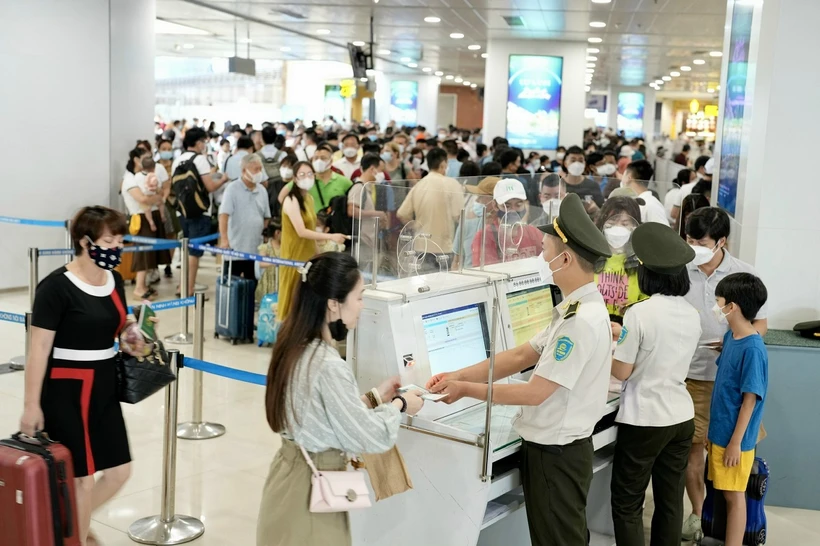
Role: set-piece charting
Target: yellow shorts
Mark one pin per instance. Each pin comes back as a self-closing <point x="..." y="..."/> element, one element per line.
<point x="729" y="479"/>
<point x="701" y="393"/>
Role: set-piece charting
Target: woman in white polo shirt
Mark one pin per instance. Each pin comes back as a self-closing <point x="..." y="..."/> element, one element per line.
<point x="656" y="416"/>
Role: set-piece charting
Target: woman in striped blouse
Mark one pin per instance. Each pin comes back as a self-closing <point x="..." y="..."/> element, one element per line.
<point x="313" y="401"/>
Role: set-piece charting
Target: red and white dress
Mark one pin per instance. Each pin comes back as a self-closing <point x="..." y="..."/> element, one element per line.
<point x="79" y="397"/>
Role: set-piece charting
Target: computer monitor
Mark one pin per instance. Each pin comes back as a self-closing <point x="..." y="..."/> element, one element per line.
<point x="530" y="312"/>
<point x="456" y="338"/>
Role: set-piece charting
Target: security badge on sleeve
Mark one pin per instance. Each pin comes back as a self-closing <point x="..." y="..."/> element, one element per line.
<point x="564" y="345"/>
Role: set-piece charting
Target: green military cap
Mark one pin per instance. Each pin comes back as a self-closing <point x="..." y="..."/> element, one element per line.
<point x="661" y="249"/>
<point x="809" y="329"/>
<point x="577" y="231"/>
<point x="627" y="192"/>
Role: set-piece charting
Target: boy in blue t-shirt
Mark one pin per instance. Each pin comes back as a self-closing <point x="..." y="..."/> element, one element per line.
<point x="738" y="396"/>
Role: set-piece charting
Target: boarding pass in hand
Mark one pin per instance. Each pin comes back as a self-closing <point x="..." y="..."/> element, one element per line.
<point x="425" y="394"/>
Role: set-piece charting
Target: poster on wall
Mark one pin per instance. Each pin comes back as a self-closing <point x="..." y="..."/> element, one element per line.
<point x="735" y="102"/>
<point x="630" y="114"/>
<point x="334" y="102"/>
<point x="534" y="101"/>
<point x="404" y="98"/>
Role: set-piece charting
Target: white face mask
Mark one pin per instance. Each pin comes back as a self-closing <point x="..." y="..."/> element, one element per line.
<point x="416" y="163"/>
<point x="350" y="152"/>
<point x="536" y="164"/>
<point x="305" y="183"/>
<point x="320" y="165"/>
<point x="379" y="178"/>
<point x="576" y="169"/>
<point x="286" y="173"/>
<point x="544" y="269"/>
<point x="703" y="255"/>
<point x="259" y="177"/>
<point x="560" y="156"/>
<point x="719" y="315"/>
<point x="617" y="236"/>
<point x="551" y="207"/>
<point x="606" y="169"/>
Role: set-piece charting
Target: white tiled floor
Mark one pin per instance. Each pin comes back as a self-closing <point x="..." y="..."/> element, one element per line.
<point x="220" y="480"/>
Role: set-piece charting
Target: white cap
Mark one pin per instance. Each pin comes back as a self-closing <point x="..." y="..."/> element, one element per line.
<point x="509" y="189"/>
<point x="709" y="168"/>
<point x="627" y="151"/>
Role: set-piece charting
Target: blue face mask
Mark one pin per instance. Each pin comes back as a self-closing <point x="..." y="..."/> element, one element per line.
<point x="281" y="132"/>
<point x="478" y="209"/>
<point x="166" y="154"/>
<point x="511" y="216"/>
<point x="373" y="138"/>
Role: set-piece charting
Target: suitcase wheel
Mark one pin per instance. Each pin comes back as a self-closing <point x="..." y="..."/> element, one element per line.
<point x="760" y="538"/>
<point x="698" y="537"/>
<point x="757" y="486"/>
<point x="216" y="336"/>
<point x="233" y="341"/>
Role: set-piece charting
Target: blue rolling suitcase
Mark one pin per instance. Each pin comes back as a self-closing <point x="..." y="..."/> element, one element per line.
<point x="267" y="327"/>
<point x="714" y="507"/>
<point x="234" y="307"/>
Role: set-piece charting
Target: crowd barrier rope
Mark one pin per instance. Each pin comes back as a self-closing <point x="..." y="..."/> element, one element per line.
<point x="225" y="371"/>
<point x="5" y="316"/>
<point x="31" y="222"/>
<point x="244" y="255"/>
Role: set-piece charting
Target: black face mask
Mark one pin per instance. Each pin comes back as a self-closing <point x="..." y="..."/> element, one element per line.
<point x="338" y="330"/>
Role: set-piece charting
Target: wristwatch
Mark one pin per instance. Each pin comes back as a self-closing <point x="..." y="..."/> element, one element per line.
<point x="403" y="403"/>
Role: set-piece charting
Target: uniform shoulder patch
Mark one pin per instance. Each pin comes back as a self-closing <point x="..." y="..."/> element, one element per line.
<point x="563" y="348"/>
<point x="624" y="333"/>
<point x="572" y="309"/>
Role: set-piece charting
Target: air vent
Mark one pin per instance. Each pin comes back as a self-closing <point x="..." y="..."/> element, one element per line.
<point x="288" y="13"/>
<point x="514" y="20"/>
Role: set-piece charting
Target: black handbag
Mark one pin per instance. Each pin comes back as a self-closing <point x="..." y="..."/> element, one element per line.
<point x="140" y="377"/>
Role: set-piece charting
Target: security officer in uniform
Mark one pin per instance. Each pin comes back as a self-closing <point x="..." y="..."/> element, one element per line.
<point x="567" y="392"/>
<point x="654" y="348"/>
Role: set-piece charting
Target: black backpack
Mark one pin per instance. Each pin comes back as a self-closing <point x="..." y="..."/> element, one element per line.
<point x="336" y="212"/>
<point x="192" y="198"/>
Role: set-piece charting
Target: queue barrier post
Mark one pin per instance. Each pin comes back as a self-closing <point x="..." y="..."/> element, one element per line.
<point x="168" y="527"/>
<point x="184" y="337"/>
<point x="68" y="240"/>
<point x="196" y="429"/>
<point x="19" y="362"/>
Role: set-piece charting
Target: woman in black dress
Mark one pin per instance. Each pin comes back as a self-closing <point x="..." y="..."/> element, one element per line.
<point x="70" y="385"/>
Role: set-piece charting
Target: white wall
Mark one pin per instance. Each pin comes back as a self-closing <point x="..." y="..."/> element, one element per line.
<point x="427" y="109"/>
<point x="132" y="90"/>
<point x="54" y="106"/>
<point x="778" y="207"/>
<point x="305" y="85"/>
<point x="573" y="96"/>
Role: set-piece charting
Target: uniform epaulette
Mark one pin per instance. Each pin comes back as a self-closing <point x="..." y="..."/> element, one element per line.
<point x="572" y="309"/>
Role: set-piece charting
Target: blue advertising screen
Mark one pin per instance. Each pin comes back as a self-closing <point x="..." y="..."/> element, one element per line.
<point x="404" y="98"/>
<point x="734" y="104"/>
<point x="630" y="114"/>
<point x="534" y="101"/>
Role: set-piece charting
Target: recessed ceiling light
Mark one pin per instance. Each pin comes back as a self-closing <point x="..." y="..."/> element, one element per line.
<point x="474" y="47"/>
<point x="358" y="44"/>
<point x="456" y="36"/>
<point x="590" y="71"/>
<point x="167" y="27"/>
<point x="659" y="82"/>
<point x="667" y="79"/>
<point x="466" y="83"/>
<point x="412" y="65"/>
<point x="587" y="88"/>
<point x="406" y="59"/>
<point x="590" y="65"/>
<point x="483" y="55"/>
<point x="448" y="77"/>
<point x="601" y="1"/>
<point x="594" y="40"/>
<point x="591" y="58"/>
<point x="245" y="40"/>
<point x="685" y="68"/>
<point x="473" y="85"/>
<point x="362" y="79"/>
<point x="439" y="73"/>
<point x="698" y="61"/>
<point x="710" y="90"/>
<point x="384" y="52"/>
<point x="323" y="31"/>
<point x="284" y="49"/>
<point x="597" y="24"/>
<point x="426" y="69"/>
<point x="432" y="19"/>
<point x="716" y="54"/>
<point x="593" y="50"/>
<point x="459" y="79"/>
<point x="187" y="46"/>
<point x="674" y="74"/>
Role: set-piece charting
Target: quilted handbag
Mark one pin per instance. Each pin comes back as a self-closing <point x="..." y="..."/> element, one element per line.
<point x="336" y="491"/>
<point x="140" y="377"/>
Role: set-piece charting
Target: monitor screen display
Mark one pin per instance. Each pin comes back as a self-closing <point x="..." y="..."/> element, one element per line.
<point x="456" y="337"/>
<point x="530" y="312"/>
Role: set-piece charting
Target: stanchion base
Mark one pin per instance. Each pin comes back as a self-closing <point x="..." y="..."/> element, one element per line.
<point x="153" y="530"/>
<point x="200" y="287"/>
<point x="181" y="338"/>
<point x="7" y="368"/>
<point x="199" y="431"/>
<point x="17" y="363"/>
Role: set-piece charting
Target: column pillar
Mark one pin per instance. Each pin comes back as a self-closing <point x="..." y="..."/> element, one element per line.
<point x="427" y="90"/>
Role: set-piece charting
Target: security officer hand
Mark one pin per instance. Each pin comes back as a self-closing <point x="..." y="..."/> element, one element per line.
<point x="438" y="378"/>
<point x="455" y="390"/>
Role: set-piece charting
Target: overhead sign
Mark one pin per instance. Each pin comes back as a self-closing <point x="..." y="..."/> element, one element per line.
<point x="534" y="101"/>
<point x="348" y="88"/>
<point x="404" y="98"/>
<point x="630" y="114"/>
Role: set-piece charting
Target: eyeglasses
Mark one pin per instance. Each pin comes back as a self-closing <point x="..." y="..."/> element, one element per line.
<point x="305" y="174"/>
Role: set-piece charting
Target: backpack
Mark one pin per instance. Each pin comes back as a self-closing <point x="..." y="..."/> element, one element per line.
<point x="271" y="166"/>
<point x="192" y="198"/>
<point x="336" y="212"/>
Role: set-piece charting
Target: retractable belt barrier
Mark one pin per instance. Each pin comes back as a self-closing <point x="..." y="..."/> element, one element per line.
<point x="30" y="222"/>
<point x="12" y="317"/>
<point x="244" y="255"/>
<point x="225" y="371"/>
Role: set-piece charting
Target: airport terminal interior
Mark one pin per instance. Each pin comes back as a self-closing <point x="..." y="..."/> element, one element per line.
<point x="483" y="163"/>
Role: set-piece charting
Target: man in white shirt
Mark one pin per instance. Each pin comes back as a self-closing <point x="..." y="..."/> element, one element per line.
<point x="350" y="163"/>
<point x="636" y="177"/>
<point x="704" y="167"/>
<point x="567" y="392"/>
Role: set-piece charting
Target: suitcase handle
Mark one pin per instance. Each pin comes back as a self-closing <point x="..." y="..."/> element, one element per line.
<point x="228" y="290"/>
<point x="68" y="525"/>
<point x="40" y="438"/>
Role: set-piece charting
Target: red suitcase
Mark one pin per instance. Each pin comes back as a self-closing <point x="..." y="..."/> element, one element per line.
<point x="37" y="499"/>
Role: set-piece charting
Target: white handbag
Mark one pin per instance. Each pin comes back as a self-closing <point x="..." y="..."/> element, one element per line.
<point x="336" y="491"/>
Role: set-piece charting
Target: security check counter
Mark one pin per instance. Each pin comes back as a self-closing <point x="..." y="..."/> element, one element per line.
<point x="463" y="458"/>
